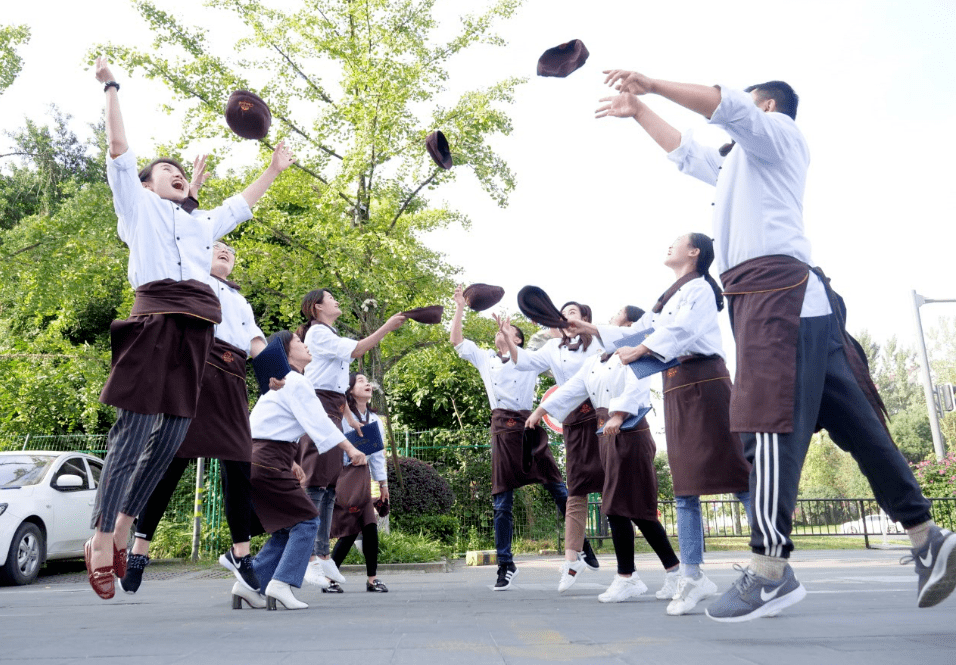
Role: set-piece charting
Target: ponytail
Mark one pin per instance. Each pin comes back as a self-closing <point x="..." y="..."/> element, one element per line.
<point x="704" y="260"/>
<point x="311" y="299"/>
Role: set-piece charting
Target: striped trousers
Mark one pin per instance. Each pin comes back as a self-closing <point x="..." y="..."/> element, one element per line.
<point x="139" y="449"/>
<point x="826" y="396"/>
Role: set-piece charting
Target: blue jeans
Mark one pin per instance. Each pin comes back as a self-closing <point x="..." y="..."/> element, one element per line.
<point x="285" y="556"/>
<point x="504" y="519"/>
<point x="324" y="500"/>
<point x="690" y="526"/>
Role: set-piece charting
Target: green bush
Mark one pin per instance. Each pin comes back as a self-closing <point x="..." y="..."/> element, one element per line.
<point x="399" y="547"/>
<point x="422" y="491"/>
<point x="443" y="528"/>
<point x="938" y="479"/>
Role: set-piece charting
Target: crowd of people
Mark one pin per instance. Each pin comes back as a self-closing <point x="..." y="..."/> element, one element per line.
<point x="178" y="383"/>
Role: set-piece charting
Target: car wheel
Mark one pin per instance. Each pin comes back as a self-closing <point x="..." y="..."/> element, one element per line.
<point x="25" y="555"/>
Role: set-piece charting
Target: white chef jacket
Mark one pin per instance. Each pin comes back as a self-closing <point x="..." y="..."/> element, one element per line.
<point x="376" y="461"/>
<point x="507" y="386"/>
<point x="687" y="324"/>
<point x="238" y="325"/>
<point x="758" y="204"/>
<point x="610" y="385"/>
<point x="166" y="242"/>
<point x="294" y="410"/>
<point x="562" y="362"/>
<point x="331" y="357"/>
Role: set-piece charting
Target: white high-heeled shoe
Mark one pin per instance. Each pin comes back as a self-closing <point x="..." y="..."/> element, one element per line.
<point x="240" y="592"/>
<point x="282" y="592"/>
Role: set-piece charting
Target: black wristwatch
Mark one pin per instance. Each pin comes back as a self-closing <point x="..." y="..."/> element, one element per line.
<point x="111" y="84"/>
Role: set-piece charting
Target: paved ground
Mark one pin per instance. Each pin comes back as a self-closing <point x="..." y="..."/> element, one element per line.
<point x="860" y="609"/>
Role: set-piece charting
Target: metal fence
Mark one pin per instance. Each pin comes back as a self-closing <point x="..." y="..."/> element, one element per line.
<point x="463" y="458"/>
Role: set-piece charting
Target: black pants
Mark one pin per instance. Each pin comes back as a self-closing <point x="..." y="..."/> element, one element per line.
<point x="826" y="393"/>
<point x="622" y="535"/>
<point x="369" y="548"/>
<point x="237" y="494"/>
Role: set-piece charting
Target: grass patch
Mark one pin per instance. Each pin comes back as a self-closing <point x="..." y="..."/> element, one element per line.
<point x="398" y="547"/>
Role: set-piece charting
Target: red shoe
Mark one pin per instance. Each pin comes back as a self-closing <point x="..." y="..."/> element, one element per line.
<point x="119" y="561"/>
<point x="101" y="579"/>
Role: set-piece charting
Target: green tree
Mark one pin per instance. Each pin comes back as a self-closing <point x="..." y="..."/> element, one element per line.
<point x="356" y="87"/>
<point x="11" y="63"/>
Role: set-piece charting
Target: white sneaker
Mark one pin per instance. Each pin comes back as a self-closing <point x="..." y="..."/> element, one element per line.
<point x="332" y="571"/>
<point x="569" y="574"/>
<point x="315" y="574"/>
<point x="623" y="588"/>
<point x="689" y="593"/>
<point x="669" y="589"/>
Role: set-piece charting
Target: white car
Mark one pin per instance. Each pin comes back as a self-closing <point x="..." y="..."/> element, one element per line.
<point x="875" y="525"/>
<point x="46" y="503"/>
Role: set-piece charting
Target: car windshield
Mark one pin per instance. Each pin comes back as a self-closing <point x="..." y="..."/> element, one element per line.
<point x="22" y="470"/>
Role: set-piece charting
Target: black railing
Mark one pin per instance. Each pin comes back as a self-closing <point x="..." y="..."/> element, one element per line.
<point x="726" y="518"/>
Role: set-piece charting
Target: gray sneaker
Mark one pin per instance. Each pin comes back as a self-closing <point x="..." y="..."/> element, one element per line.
<point x="753" y="596"/>
<point x="935" y="567"/>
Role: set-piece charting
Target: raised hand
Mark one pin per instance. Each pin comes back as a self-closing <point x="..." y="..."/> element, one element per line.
<point x="395" y="322"/>
<point x="101" y="69"/>
<point x="459" y="296"/>
<point x="504" y="323"/>
<point x="199" y="175"/>
<point x="624" y="105"/>
<point x="632" y="82"/>
<point x="282" y="157"/>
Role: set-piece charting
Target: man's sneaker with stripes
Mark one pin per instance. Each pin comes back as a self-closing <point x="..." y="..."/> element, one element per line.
<point x="506" y="574"/>
<point x="753" y="596"/>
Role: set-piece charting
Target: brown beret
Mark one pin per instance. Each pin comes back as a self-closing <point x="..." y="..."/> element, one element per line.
<point x="247" y="115"/>
<point x="537" y="306"/>
<point x="430" y="315"/>
<point x="563" y="59"/>
<point x="482" y="296"/>
<point x="437" y="146"/>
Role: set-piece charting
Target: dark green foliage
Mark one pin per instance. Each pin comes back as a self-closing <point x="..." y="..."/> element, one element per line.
<point x="425" y="492"/>
<point x="443" y="528"/>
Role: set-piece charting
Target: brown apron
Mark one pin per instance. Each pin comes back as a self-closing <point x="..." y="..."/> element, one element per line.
<point x="220" y="429"/>
<point x="582" y="450"/>
<point x="278" y="498"/>
<point x="704" y="455"/>
<point x="765" y="296"/>
<point x="159" y="352"/>
<point x="323" y="470"/>
<point x="630" y="479"/>
<point x="507" y="452"/>
<point x="353" y="501"/>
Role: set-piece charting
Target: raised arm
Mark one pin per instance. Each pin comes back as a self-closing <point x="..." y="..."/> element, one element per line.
<point x="115" y="130"/>
<point x="627" y="105"/>
<point x="702" y="99"/>
<point x="394" y="322"/>
<point x="282" y="158"/>
<point x="504" y="329"/>
<point x="457" y="336"/>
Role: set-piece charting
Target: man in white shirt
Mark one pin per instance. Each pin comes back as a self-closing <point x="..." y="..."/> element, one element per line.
<point x="797" y="368"/>
<point x="159" y="352"/>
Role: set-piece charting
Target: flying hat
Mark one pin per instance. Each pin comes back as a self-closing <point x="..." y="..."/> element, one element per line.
<point x="437" y="146"/>
<point x="563" y="59"/>
<point x="271" y="362"/>
<point x="431" y="314"/>
<point x="247" y="115"/>
<point x="482" y="296"/>
<point x="537" y="306"/>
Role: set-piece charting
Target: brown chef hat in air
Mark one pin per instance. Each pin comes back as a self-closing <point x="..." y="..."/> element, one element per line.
<point x="247" y="115"/>
<point x="537" y="306"/>
<point x="431" y="314"/>
<point x="437" y="146"/>
<point x="482" y="296"/>
<point x="563" y="59"/>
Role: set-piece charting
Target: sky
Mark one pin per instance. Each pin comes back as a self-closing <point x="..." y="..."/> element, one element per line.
<point x="597" y="203"/>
